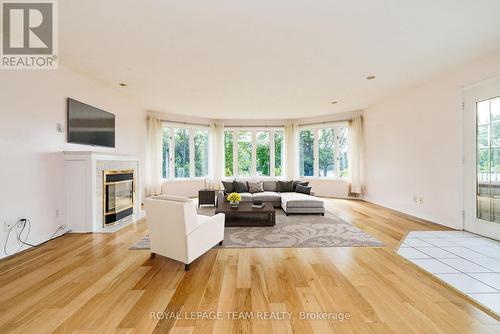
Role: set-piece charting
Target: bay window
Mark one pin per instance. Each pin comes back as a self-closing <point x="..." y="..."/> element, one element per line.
<point x="253" y="152"/>
<point x="184" y="152"/>
<point x="323" y="151"/>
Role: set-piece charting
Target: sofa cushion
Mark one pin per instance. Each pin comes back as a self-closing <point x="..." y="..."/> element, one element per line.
<point x="255" y="186"/>
<point x="297" y="200"/>
<point x="303" y="189"/>
<point x="285" y="186"/>
<point x="267" y="196"/>
<point x="228" y="186"/>
<point x="240" y="186"/>
<point x="297" y="182"/>
<point x="270" y="185"/>
<point x="246" y="197"/>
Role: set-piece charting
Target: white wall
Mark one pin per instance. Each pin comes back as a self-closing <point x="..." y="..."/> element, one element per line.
<point x="414" y="145"/>
<point x="31" y="103"/>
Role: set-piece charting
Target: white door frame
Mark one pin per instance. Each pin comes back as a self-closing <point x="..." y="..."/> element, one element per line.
<point x="471" y="95"/>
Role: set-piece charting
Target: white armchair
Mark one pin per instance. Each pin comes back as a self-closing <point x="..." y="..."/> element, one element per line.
<point x="178" y="232"/>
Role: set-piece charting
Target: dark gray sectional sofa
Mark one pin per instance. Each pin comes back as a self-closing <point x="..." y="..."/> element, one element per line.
<point x="290" y="202"/>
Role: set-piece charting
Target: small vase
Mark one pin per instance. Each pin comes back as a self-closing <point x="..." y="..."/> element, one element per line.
<point x="234" y="205"/>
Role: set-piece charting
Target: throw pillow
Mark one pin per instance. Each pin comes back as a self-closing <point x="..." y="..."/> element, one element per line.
<point x="303" y="189"/>
<point x="285" y="186"/>
<point x="228" y="187"/>
<point x="295" y="183"/>
<point x="255" y="187"/>
<point x="240" y="186"/>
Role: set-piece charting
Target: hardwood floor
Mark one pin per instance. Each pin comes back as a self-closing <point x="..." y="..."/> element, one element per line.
<point x="93" y="283"/>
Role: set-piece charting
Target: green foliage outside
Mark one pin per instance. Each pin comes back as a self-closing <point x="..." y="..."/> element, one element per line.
<point x="181" y="153"/>
<point x="228" y="153"/>
<point x="200" y="153"/>
<point x="306" y="144"/>
<point x="326" y="142"/>
<point x="263" y="154"/>
<point x="278" y="153"/>
<point x="244" y="153"/>
<point x="165" y="153"/>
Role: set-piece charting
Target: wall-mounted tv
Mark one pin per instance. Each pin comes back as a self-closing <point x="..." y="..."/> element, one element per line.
<point x="89" y="125"/>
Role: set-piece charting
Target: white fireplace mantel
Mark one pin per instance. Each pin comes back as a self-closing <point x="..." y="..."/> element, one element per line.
<point x="83" y="179"/>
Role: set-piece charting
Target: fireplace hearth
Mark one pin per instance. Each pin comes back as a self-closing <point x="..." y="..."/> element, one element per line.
<point x="118" y="195"/>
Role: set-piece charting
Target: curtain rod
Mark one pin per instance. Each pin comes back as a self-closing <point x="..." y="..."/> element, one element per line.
<point x="253" y="126"/>
<point x="185" y="123"/>
<point x="324" y="123"/>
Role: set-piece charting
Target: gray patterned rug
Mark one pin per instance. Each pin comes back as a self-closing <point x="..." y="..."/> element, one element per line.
<point x="291" y="231"/>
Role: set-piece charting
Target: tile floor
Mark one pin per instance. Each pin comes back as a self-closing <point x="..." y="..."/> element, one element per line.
<point x="468" y="262"/>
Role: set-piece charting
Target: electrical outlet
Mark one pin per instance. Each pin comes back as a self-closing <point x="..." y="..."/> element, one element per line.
<point x="57" y="212"/>
<point x="7" y="226"/>
<point x="421" y="200"/>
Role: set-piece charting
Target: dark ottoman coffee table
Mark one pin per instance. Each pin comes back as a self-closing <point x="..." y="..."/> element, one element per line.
<point x="246" y="215"/>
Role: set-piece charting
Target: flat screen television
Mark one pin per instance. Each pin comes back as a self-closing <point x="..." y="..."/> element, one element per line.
<point x="89" y="125"/>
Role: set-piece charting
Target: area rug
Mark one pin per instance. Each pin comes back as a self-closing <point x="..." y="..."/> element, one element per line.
<point x="299" y="231"/>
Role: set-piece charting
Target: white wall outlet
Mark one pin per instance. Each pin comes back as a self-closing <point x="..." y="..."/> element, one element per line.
<point x="59" y="127"/>
<point x="7" y="226"/>
<point x="57" y="212"/>
<point x="421" y="200"/>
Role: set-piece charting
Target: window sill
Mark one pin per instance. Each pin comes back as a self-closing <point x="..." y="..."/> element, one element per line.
<point x="187" y="179"/>
<point x="319" y="178"/>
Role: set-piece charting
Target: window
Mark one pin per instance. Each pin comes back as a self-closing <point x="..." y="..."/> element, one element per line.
<point x="326" y="141"/>
<point x="250" y="153"/>
<point x="343" y="142"/>
<point x="323" y="152"/>
<point x="228" y="153"/>
<point x="306" y="154"/>
<point x="278" y="153"/>
<point x="244" y="153"/>
<point x="181" y="153"/>
<point x="165" y="153"/>
<point x="200" y="153"/>
<point x="184" y="152"/>
<point x="488" y="160"/>
<point x="263" y="154"/>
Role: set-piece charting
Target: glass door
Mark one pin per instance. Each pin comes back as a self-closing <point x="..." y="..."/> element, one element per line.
<point x="482" y="159"/>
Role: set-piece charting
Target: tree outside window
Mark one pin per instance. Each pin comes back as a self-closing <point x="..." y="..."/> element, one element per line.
<point x="181" y="153"/>
<point x="165" y="153"/>
<point x="244" y="153"/>
<point x="200" y="153"/>
<point x="263" y="154"/>
<point x="306" y="153"/>
<point x="228" y="153"/>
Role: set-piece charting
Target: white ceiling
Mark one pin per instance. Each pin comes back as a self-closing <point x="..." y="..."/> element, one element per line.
<point x="270" y="58"/>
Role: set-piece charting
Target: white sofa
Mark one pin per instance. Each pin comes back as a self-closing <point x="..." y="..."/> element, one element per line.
<point x="178" y="232"/>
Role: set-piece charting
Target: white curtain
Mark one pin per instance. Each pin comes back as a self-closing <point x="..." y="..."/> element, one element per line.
<point x="154" y="157"/>
<point x="357" y="155"/>
<point x="291" y="149"/>
<point x="216" y="154"/>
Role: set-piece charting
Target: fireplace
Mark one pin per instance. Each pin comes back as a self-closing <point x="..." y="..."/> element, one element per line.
<point x="118" y="195"/>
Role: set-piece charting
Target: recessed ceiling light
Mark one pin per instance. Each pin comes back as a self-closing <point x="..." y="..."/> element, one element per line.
<point x="123" y="84"/>
<point x="370" y="77"/>
<point x="334" y="102"/>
